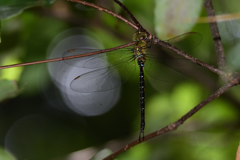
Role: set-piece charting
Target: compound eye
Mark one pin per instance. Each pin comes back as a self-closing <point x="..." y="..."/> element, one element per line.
<point x="138" y="36"/>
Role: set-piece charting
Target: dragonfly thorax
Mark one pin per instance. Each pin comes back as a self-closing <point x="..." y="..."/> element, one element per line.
<point x="139" y="53"/>
<point x="140" y="46"/>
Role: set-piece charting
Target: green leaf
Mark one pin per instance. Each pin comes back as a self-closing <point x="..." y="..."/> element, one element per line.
<point x="9" y="8"/>
<point x="11" y="73"/>
<point x="101" y="154"/>
<point x="4" y="155"/>
<point x="8" y="89"/>
<point x="175" y="17"/>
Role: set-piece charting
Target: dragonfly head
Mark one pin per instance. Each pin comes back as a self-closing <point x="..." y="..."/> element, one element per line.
<point x="139" y="36"/>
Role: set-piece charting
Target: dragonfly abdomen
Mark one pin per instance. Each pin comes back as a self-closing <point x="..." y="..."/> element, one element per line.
<point x="142" y="100"/>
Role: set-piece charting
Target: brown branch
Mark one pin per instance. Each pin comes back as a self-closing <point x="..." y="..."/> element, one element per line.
<point x="69" y="57"/>
<point x="183" y="54"/>
<point x="176" y="124"/>
<point x="74" y="20"/>
<point x="105" y="10"/>
<point x="140" y="27"/>
<point x="215" y="34"/>
<point x="238" y="153"/>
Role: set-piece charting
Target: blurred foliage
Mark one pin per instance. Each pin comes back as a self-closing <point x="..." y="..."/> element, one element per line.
<point x="9" y="89"/>
<point x="9" y="8"/>
<point x="4" y="155"/>
<point x="102" y="154"/>
<point x="167" y="24"/>
<point x="34" y="126"/>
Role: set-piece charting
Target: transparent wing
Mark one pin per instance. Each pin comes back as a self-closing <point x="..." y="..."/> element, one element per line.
<point x="95" y="61"/>
<point x="187" y="41"/>
<point x="164" y="68"/>
<point x="85" y="62"/>
<point x="165" y="65"/>
<point x="106" y="78"/>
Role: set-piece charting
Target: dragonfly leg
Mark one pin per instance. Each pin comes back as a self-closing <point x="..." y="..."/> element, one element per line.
<point x="141" y="136"/>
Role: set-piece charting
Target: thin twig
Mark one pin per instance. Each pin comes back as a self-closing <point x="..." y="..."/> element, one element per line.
<point x="218" y="18"/>
<point x="215" y="34"/>
<point x="187" y="56"/>
<point x="105" y="10"/>
<point x="176" y="124"/>
<point x="69" y="57"/>
<point x="238" y="152"/>
<point x="140" y="27"/>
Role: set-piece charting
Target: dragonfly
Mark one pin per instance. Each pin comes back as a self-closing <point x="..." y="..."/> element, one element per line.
<point x="112" y="69"/>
